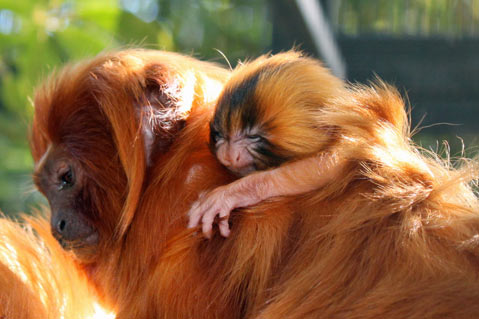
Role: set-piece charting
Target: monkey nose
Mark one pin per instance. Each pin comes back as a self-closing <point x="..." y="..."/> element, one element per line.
<point x="61" y="225"/>
<point x="230" y="158"/>
<point x="236" y="158"/>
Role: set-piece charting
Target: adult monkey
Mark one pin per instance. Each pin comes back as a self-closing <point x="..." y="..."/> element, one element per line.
<point x="394" y="237"/>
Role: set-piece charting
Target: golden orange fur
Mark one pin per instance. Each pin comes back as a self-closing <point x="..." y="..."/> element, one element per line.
<point x="38" y="279"/>
<point x="395" y="237"/>
<point x="288" y="91"/>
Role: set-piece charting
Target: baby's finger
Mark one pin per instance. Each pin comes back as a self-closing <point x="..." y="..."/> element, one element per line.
<point x="193" y="207"/>
<point x="224" y="227"/>
<point x="223" y="222"/>
<point x="195" y="216"/>
<point x="207" y="223"/>
<point x="197" y="211"/>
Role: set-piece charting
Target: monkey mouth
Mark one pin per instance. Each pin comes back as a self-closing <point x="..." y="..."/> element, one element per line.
<point x="243" y="170"/>
<point x="76" y="244"/>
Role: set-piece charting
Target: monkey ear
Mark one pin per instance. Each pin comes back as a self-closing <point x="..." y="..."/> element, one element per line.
<point x="163" y="112"/>
<point x="147" y="105"/>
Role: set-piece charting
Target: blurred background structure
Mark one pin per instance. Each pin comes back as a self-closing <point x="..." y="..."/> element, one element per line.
<point x="427" y="48"/>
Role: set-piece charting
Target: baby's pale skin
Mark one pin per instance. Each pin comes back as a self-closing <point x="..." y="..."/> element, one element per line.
<point x="292" y="178"/>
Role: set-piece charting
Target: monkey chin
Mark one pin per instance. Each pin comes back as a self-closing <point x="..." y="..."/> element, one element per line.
<point x="243" y="170"/>
<point x="84" y="249"/>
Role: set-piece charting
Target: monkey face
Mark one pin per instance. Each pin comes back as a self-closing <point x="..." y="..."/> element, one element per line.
<point x="61" y="179"/>
<point x="235" y="153"/>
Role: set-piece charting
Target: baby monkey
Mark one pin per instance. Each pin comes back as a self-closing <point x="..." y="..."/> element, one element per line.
<point x="265" y="129"/>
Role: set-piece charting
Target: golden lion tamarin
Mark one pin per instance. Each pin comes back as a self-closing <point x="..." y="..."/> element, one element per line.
<point x="394" y="236"/>
<point x="266" y="116"/>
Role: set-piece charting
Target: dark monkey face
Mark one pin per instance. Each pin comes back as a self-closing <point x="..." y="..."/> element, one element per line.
<point x="60" y="178"/>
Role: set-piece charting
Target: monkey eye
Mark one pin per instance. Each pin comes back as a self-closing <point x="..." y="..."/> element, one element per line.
<point x="66" y="179"/>
<point x="217" y="136"/>
<point x="255" y="138"/>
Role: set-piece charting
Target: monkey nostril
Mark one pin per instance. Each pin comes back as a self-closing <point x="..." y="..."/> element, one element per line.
<point x="234" y="157"/>
<point x="61" y="225"/>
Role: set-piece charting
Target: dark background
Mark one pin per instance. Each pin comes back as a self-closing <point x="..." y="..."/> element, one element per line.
<point x="427" y="48"/>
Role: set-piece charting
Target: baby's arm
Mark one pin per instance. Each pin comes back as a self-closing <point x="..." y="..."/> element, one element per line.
<point x="289" y="179"/>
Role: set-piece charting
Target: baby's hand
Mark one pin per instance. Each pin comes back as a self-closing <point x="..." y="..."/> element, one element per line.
<point x="218" y="202"/>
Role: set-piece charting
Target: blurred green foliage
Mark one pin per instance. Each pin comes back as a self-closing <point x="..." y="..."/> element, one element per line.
<point x="37" y="36"/>
<point x="458" y="18"/>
